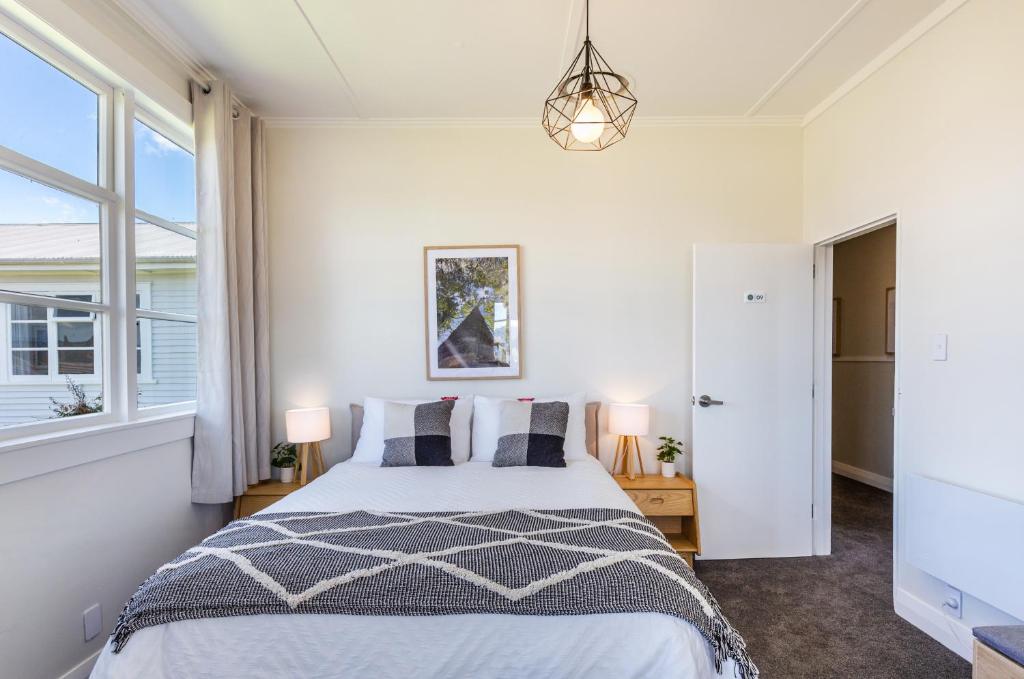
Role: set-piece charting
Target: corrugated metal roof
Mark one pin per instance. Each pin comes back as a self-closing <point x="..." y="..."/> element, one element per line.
<point x="81" y="242"/>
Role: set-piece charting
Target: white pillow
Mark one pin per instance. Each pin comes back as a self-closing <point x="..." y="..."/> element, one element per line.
<point x="487" y="415"/>
<point x="370" y="447"/>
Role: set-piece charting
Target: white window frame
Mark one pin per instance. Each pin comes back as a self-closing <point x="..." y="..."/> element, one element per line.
<point x="7" y="376"/>
<point x="114" y="192"/>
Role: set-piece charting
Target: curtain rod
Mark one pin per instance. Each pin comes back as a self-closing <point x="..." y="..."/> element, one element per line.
<point x="235" y="113"/>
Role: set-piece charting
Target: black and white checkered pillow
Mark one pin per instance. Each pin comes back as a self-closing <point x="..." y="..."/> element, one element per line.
<point x="418" y="434"/>
<point x="532" y="434"/>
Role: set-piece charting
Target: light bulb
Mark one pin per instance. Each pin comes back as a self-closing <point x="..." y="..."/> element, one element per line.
<point x="588" y="124"/>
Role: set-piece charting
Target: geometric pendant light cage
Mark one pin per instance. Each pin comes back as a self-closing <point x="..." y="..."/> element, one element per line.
<point x="591" y="107"/>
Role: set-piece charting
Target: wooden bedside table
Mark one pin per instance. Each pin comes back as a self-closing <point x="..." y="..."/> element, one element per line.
<point x="672" y="505"/>
<point x="261" y="496"/>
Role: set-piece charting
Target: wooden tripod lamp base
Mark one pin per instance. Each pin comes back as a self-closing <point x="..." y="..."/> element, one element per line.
<point x="626" y="449"/>
<point x="628" y="420"/>
<point x="311" y="458"/>
<point x="308" y="427"/>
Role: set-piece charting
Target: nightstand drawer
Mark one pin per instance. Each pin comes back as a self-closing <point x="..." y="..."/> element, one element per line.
<point x="663" y="502"/>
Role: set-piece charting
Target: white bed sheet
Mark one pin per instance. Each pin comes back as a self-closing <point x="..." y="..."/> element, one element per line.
<point x="450" y="646"/>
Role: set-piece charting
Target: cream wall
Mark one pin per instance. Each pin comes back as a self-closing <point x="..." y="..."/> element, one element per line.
<point x="606" y="254"/>
<point x="84" y="535"/>
<point x="937" y="136"/>
<point x="862" y="376"/>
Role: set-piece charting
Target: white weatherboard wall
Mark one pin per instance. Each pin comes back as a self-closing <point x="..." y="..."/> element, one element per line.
<point x="936" y="136"/>
<point x="606" y="255"/>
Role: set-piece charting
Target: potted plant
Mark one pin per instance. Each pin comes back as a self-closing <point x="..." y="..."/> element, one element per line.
<point x="282" y="458"/>
<point x="667" y="452"/>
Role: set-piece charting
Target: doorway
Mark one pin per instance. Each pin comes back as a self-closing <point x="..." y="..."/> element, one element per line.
<point x="856" y="378"/>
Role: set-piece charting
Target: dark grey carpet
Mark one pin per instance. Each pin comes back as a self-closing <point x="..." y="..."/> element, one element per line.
<point x="831" y="617"/>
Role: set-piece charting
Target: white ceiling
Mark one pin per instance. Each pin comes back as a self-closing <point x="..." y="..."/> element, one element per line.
<point x="500" y="58"/>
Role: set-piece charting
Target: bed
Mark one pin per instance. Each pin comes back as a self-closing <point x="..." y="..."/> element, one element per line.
<point x="617" y="645"/>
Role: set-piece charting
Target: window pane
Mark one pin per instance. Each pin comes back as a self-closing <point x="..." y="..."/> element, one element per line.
<point x="29" y="363"/>
<point x="53" y="118"/>
<point x="165" y="176"/>
<point x="21" y="312"/>
<point x="165" y="263"/>
<point x="28" y="335"/>
<point x="46" y="236"/>
<point x="67" y="313"/>
<point x="74" y="334"/>
<point x="173" y="356"/>
<point x="75" y="362"/>
<point x="34" y="383"/>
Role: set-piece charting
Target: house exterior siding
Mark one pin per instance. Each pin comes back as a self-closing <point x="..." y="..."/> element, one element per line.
<point x="169" y="347"/>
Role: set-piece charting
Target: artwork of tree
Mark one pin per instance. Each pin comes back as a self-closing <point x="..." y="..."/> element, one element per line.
<point x="467" y="282"/>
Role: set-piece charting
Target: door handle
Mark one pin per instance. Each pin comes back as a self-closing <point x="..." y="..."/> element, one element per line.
<point x="704" y="401"/>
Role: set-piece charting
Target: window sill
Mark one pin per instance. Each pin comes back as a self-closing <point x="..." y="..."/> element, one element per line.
<point x="45" y="453"/>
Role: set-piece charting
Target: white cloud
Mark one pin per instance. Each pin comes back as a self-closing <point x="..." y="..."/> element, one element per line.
<point x="58" y="210"/>
<point x="158" y="145"/>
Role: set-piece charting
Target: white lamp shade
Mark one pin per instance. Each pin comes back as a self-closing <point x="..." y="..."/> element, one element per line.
<point x="629" y="419"/>
<point x="305" y="425"/>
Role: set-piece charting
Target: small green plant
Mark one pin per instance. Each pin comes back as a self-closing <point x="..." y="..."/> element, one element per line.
<point x="80" y="403"/>
<point x="669" y="449"/>
<point x="283" y="455"/>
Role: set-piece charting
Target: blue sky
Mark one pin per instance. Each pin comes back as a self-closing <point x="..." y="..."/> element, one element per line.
<point x="52" y="118"/>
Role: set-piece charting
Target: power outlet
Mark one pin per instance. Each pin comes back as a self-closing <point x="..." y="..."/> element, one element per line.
<point x="954" y="602"/>
<point x="92" y="621"/>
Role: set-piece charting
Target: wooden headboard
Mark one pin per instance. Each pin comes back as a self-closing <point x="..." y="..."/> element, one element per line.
<point x="593" y="408"/>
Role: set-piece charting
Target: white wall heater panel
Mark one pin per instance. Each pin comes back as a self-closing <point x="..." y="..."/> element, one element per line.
<point x="968" y="539"/>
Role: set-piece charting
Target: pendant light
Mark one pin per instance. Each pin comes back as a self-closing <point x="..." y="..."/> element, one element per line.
<point x="591" y="106"/>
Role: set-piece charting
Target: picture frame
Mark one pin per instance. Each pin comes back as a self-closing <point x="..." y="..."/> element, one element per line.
<point x="890" y="321"/>
<point x="837" y="326"/>
<point x="472" y="308"/>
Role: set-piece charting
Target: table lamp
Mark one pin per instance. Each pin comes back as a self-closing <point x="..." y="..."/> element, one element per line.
<point x="628" y="420"/>
<point x="308" y="427"/>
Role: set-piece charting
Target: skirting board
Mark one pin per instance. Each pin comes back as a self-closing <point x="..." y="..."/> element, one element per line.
<point x="949" y="632"/>
<point x="83" y="669"/>
<point x="862" y="475"/>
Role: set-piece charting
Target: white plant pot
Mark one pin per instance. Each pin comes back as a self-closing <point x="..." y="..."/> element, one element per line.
<point x="287" y="474"/>
<point x="668" y="469"/>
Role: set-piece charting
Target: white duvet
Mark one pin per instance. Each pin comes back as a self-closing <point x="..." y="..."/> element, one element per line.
<point x="449" y="646"/>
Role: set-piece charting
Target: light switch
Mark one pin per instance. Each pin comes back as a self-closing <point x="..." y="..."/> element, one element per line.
<point x="92" y="618"/>
<point x="939" y="346"/>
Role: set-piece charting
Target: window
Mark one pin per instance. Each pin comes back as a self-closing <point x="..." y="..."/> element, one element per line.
<point x="48" y="342"/>
<point x="165" y="258"/>
<point x="48" y="99"/>
<point x="69" y="347"/>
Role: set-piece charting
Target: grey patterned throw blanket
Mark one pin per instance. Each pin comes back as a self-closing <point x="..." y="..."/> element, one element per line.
<point x="522" y="562"/>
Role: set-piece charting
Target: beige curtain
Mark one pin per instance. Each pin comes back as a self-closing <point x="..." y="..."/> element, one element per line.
<point x="232" y="437"/>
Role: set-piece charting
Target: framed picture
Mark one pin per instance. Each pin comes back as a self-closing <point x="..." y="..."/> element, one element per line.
<point x="890" y="321"/>
<point x="837" y="325"/>
<point x="472" y="312"/>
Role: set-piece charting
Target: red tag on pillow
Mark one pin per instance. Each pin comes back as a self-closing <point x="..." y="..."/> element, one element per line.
<point x="527" y="399"/>
<point x="449" y="398"/>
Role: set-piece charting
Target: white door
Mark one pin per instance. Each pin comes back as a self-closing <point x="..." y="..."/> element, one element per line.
<point x="752" y="351"/>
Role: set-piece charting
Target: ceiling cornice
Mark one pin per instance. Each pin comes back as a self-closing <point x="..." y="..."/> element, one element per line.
<point x="936" y="17"/>
<point x="464" y="123"/>
<point x="150" y="22"/>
